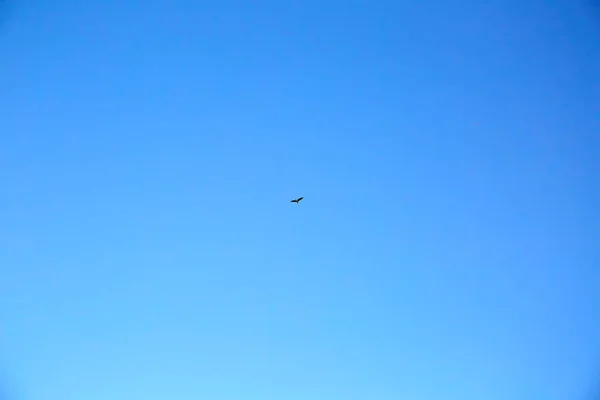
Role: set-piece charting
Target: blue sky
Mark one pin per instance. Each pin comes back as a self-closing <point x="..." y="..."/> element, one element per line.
<point x="447" y="153"/>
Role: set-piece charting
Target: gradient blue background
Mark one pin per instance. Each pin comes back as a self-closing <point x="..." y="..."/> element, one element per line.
<point x="447" y="246"/>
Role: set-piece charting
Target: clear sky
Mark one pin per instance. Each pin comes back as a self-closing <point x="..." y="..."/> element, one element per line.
<point x="447" y="246"/>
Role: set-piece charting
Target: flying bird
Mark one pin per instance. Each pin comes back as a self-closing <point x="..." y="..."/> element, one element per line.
<point x="296" y="200"/>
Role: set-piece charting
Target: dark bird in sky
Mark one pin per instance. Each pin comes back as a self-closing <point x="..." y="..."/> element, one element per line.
<point x="296" y="200"/>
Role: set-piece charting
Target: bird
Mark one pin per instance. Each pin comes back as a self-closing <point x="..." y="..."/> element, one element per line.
<point x="296" y="200"/>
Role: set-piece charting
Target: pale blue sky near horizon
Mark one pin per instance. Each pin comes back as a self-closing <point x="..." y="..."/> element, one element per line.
<point x="446" y="248"/>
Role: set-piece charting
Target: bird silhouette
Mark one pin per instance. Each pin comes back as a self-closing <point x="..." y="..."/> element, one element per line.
<point x="296" y="200"/>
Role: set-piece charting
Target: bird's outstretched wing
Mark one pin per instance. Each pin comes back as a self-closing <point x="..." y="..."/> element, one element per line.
<point x="299" y="198"/>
